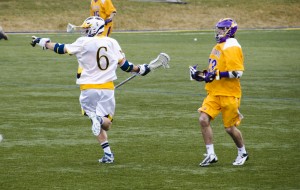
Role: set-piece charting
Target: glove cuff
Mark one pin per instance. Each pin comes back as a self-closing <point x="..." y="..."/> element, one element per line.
<point x="143" y="69"/>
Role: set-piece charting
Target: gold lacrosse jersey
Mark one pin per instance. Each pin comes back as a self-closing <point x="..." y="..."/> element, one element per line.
<point x="98" y="57"/>
<point x="226" y="56"/>
<point x="102" y="8"/>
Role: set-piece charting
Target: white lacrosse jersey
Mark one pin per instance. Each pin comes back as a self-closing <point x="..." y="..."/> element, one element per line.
<point x="98" y="57"/>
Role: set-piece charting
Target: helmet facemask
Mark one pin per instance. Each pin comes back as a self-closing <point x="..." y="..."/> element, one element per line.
<point x="221" y="34"/>
<point x="225" y="28"/>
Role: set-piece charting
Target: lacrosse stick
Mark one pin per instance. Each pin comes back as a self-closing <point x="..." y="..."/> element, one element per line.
<point x="162" y="60"/>
<point x="71" y="28"/>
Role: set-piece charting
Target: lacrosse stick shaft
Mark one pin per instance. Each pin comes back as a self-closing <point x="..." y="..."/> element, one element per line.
<point x="161" y="60"/>
<point x="128" y="79"/>
<point x="71" y="27"/>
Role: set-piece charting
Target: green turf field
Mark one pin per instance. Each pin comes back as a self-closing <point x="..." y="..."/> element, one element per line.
<point x="155" y="136"/>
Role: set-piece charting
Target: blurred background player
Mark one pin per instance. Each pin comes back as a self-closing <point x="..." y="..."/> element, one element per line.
<point x="226" y="66"/>
<point x="98" y="56"/>
<point x="2" y="34"/>
<point x="106" y="10"/>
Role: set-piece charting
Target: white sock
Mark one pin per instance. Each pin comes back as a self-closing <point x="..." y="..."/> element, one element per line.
<point x="210" y="149"/>
<point x="242" y="150"/>
<point x="106" y="147"/>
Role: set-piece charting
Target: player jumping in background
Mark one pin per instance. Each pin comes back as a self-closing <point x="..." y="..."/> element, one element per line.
<point x="99" y="57"/>
<point x="106" y="10"/>
<point x="226" y="66"/>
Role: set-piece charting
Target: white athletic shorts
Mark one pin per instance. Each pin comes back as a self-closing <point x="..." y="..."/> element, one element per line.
<point x="101" y="101"/>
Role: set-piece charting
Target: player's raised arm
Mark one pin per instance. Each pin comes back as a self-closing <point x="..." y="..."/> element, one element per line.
<point x="46" y="43"/>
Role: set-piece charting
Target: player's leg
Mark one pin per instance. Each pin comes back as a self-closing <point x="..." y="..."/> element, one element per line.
<point x="106" y="108"/>
<point x="206" y="129"/>
<point x="232" y="118"/>
<point x="99" y="105"/>
<point x="88" y="100"/>
<point x="108" y="29"/>
<point x="108" y="156"/>
<point x="208" y="111"/>
<point x="237" y="137"/>
<point x="207" y="134"/>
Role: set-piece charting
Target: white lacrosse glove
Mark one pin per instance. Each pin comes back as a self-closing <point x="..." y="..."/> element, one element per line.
<point x="97" y="121"/>
<point x="40" y="41"/>
<point x="144" y="69"/>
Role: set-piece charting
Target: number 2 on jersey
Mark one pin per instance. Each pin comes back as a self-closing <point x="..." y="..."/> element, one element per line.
<point x="212" y="64"/>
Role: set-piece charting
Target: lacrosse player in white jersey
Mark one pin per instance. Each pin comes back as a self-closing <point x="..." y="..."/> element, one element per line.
<point x="98" y="56"/>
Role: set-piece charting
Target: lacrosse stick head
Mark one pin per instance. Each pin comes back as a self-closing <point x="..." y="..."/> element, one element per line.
<point x="70" y="28"/>
<point x="162" y="59"/>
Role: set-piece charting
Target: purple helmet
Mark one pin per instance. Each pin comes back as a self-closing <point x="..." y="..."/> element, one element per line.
<point x="225" y="28"/>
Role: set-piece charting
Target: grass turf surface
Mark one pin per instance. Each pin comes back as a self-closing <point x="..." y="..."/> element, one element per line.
<point x="155" y="136"/>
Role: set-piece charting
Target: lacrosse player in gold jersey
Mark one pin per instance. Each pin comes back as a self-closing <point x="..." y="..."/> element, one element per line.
<point x="226" y="66"/>
<point x="98" y="56"/>
<point x="106" y="10"/>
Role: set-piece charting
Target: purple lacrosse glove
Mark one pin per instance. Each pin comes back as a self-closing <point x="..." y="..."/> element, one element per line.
<point x="210" y="76"/>
<point x="197" y="75"/>
<point x="108" y="21"/>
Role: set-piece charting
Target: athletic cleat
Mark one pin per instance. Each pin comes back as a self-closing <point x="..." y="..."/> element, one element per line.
<point x="97" y="121"/>
<point x="107" y="158"/>
<point x="241" y="159"/>
<point x="209" y="159"/>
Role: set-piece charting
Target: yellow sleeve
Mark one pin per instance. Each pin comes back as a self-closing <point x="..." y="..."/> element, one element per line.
<point x="234" y="59"/>
<point x="109" y="7"/>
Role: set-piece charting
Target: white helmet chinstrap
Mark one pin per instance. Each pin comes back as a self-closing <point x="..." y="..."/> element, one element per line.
<point x="92" y="26"/>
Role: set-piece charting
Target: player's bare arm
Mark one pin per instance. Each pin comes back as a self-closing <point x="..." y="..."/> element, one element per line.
<point x="46" y="43"/>
<point x="56" y="47"/>
<point x="127" y="66"/>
